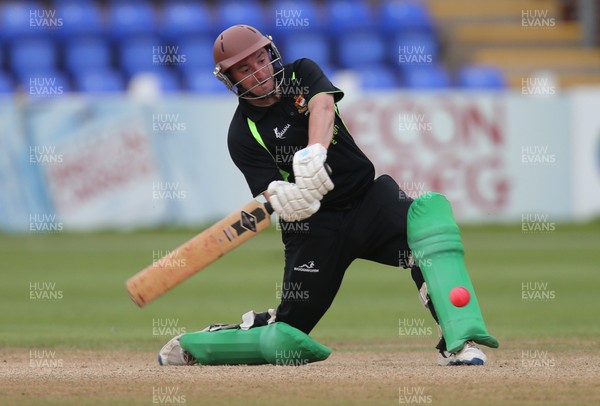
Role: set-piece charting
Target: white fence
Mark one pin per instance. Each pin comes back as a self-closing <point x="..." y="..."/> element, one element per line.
<point x="74" y="163"/>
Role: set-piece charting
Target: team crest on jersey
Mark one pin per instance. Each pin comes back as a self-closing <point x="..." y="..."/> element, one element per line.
<point x="301" y="104"/>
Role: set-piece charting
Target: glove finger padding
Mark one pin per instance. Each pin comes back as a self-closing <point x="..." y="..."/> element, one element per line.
<point x="310" y="172"/>
<point x="290" y="203"/>
<point x="318" y="185"/>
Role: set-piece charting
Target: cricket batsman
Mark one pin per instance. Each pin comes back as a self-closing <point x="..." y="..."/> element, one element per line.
<point x="288" y="139"/>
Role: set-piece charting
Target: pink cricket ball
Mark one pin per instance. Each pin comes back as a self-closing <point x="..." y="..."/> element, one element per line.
<point x="459" y="296"/>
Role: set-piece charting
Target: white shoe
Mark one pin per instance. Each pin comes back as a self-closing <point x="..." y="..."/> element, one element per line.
<point x="172" y="354"/>
<point x="470" y="354"/>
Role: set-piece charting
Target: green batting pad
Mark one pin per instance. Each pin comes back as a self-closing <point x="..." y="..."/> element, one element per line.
<point x="277" y="344"/>
<point x="436" y="245"/>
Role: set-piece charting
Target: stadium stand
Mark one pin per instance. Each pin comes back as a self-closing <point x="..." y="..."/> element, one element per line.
<point x="185" y="19"/>
<point x="426" y="44"/>
<point x="102" y="80"/>
<point x="361" y="49"/>
<point x="480" y="77"/>
<point x="83" y="53"/>
<point x="79" y="18"/>
<point x="344" y="17"/>
<point x="6" y="84"/>
<point x="520" y="37"/>
<point x="32" y="54"/>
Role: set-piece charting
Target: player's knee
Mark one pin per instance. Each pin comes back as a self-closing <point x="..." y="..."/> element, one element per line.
<point x="301" y="315"/>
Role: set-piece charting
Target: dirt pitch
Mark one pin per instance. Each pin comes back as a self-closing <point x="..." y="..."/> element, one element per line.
<point x="568" y="373"/>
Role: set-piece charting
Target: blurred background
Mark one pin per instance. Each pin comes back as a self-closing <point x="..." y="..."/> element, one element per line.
<point x="112" y="117"/>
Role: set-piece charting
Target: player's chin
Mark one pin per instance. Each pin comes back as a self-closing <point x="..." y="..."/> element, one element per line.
<point x="266" y="87"/>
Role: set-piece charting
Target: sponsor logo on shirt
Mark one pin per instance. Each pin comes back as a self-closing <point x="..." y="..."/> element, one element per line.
<point x="308" y="267"/>
<point x="281" y="134"/>
<point x="301" y="104"/>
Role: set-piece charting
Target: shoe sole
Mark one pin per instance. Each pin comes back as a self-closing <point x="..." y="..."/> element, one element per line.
<point x="474" y="361"/>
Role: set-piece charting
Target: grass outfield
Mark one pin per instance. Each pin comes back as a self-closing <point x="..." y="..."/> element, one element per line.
<point x="89" y="308"/>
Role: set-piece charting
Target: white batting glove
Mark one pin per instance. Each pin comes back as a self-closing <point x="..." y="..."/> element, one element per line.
<point x="310" y="172"/>
<point x="290" y="203"/>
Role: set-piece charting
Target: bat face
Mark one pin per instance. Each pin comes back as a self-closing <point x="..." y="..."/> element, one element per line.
<point x="199" y="252"/>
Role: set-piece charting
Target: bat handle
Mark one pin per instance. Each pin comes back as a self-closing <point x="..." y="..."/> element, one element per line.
<point x="268" y="207"/>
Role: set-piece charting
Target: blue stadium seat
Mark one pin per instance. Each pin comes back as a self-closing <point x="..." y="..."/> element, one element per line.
<point x="343" y="16"/>
<point x="15" y="19"/>
<point x="198" y="52"/>
<point x="99" y="81"/>
<point x="32" y="54"/>
<point x="6" y="83"/>
<point x="203" y="81"/>
<point x="169" y="81"/>
<point x="357" y="49"/>
<point x="232" y="12"/>
<point x="430" y="76"/>
<point x="138" y="54"/>
<point x="480" y="77"/>
<point x="181" y="19"/>
<point x="414" y="49"/>
<point x="80" y="18"/>
<point x="405" y="16"/>
<point x="377" y="77"/>
<point x="62" y="3"/>
<point x="86" y="53"/>
<point x="126" y="1"/>
<point x="306" y="44"/>
<point x="131" y="19"/>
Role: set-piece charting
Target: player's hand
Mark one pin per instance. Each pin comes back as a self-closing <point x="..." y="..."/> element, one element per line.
<point x="312" y="176"/>
<point x="290" y="203"/>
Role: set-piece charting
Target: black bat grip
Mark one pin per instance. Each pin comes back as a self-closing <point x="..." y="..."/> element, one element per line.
<point x="268" y="207"/>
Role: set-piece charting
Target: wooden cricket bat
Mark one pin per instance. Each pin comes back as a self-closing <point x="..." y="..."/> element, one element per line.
<point x="199" y="252"/>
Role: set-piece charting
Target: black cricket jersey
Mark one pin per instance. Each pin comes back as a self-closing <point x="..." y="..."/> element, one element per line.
<point x="283" y="128"/>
